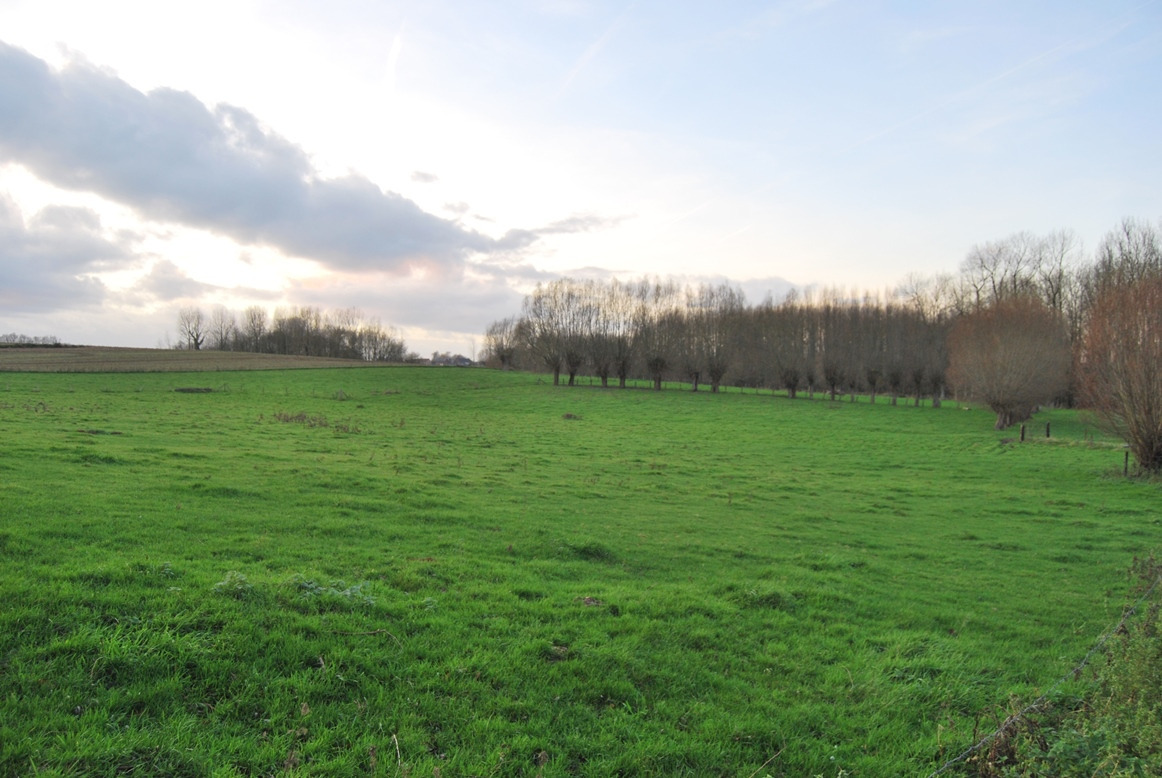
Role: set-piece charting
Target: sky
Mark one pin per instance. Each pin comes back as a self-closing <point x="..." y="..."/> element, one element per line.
<point x="429" y="161"/>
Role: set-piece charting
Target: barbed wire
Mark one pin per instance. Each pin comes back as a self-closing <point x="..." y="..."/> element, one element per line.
<point x="1035" y="704"/>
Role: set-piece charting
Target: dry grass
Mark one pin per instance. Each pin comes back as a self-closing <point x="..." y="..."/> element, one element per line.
<point x="101" y="359"/>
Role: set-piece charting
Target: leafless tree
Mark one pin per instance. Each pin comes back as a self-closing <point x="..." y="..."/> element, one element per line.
<point x="254" y="327"/>
<point x="837" y="343"/>
<point x="543" y="326"/>
<point x="578" y="312"/>
<point x="222" y="330"/>
<point x="721" y="308"/>
<point x="192" y="327"/>
<point x="872" y="345"/>
<point x="618" y="311"/>
<point x="1000" y="269"/>
<point x="793" y="333"/>
<point x="500" y="342"/>
<point x="657" y="327"/>
<point x="933" y="296"/>
<point x="1012" y="355"/>
<point x="1120" y="364"/>
<point x="374" y="343"/>
<point x="1129" y="253"/>
<point x="710" y="319"/>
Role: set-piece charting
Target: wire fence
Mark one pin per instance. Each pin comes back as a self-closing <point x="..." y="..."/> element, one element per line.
<point x="1020" y="715"/>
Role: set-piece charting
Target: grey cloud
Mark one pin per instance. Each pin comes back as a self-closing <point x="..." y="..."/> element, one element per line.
<point x="167" y="282"/>
<point x="420" y="177"/>
<point x="172" y="158"/>
<point x="47" y="260"/>
<point x="519" y="239"/>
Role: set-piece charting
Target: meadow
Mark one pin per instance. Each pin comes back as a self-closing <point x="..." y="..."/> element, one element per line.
<point x="463" y="572"/>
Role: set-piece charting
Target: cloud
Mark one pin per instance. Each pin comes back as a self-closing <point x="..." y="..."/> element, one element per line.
<point x="420" y="177"/>
<point x="48" y="261"/>
<point x="172" y="158"/>
<point x="518" y="239"/>
<point x="166" y="281"/>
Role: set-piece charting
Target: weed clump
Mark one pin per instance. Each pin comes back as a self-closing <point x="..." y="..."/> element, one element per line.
<point x="336" y="595"/>
<point x="316" y="421"/>
<point x="235" y="585"/>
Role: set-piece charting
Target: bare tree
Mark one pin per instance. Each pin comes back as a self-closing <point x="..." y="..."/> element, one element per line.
<point x="192" y="327"/>
<point x="543" y="326"/>
<point x="715" y="313"/>
<point x="618" y="311"/>
<point x="837" y="341"/>
<point x="793" y="334"/>
<point x="577" y="315"/>
<point x="222" y="330"/>
<point x="1057" y="260"/>
<point x="254" y="327"/>
<point x="1000" y="269"/>
<point x="1129" y="253"/>
<point x="374" y="343"/>
<point x="1012" y="355"/>
<point x="1121" y="366"/>
<point x="933" y="296"/>
<point x="872" y="347"/>
<point x="500" y="342"/>
<point x="657" y="327"/>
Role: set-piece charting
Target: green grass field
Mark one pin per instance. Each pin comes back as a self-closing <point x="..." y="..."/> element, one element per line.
<point x="422" y="572"/>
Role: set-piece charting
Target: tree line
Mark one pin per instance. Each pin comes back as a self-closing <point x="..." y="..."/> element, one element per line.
<point x="304" y="331"/>
<point x="1028" y="320"/>
<point x="658" y="330"/>
<point x="18" y="339"/>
